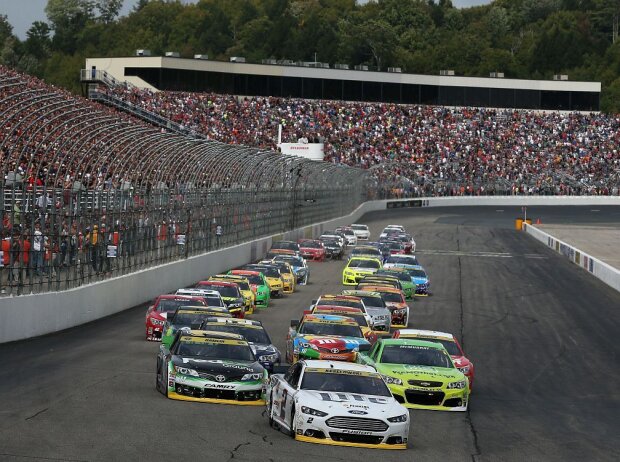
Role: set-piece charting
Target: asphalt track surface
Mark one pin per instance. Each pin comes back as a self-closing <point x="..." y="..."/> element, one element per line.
<point x="542" y="332"/>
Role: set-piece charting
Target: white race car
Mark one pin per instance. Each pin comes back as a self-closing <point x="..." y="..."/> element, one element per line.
<point x="361" y="231"/>
<point x="337" y="403"/>
<point x="392" y="229"/>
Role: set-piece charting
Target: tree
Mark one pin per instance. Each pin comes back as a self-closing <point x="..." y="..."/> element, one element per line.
<point x="68" y="18"/>
<point x="38" y="43"/>
<point x="109" y="9"/>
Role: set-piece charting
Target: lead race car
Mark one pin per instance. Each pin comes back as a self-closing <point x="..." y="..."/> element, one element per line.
<point x="210" y="367"/>
<point x="336" y="403"/>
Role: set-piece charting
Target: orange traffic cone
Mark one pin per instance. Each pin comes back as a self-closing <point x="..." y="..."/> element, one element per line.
<point x="538" y="221"/>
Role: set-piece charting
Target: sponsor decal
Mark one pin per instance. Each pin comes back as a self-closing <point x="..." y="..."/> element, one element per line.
<point x="220" y="378"/>
<point x="356" y="412"/>
<point x="356" y="432"/>
<point x="219" y="386"/>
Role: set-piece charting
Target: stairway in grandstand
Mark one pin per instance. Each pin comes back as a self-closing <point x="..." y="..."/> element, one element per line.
<point x="94" y="78"/>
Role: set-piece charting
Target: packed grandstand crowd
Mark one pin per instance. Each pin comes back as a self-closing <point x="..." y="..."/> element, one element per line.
<point x="444" y="151"/>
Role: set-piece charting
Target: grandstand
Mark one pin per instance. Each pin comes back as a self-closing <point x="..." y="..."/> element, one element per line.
<point x="299" y="80"/>
<point x="70" y="166"/>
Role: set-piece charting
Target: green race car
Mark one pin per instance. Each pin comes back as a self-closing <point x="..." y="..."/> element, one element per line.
<point x="420" y="374"/>
<point x="259" y="286"/>
<point x="403" y="276"/>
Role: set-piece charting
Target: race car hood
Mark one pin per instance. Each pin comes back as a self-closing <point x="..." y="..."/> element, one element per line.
<point x="460" y="361"/>
<point x="227" y="368"/>
<point x="374" y="311"/>
<point x="407" y="371"/>
<point x="329" y="343"/>
<point x="339" y="403"/>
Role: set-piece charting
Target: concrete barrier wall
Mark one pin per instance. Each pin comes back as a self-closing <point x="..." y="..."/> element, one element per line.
<point x="598" y="268"/>
<point x="28" y="316"/>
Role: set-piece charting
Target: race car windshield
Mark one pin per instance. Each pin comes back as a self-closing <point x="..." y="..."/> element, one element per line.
<point x="270" y="272"/>
<point x="346" y="383"/>
<point x="415" y="355"/>
<point x="392" y="297"/>
<point x="226" y="291"/>
<point x="359" y="318"/>
<point x="349" y="303"/>
<point x="284" y="269"/>
<point x="401" y="275"/>
<point x="402" y="259"/>
<point x="360" y="227"/>
<point x="416" y="273"/>
<point x="251" y="334"/>
<point x="311" y="245"/>
<point x="285" y="246"/>
<point x="170" y="306"/>
<point x="188" y="319"/>
<point x="214" y="301"/>
<point x="256" y="279"/>
<point x="215" y="351"/>
<point x="364" y="264"/>
<point x="373" y="301"/>
<point x="295" y="262"/>
<point x="322" y="328"/>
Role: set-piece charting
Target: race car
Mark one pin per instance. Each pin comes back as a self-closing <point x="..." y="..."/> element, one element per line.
<point x="394" y="247"/>
<point x="286" y="245"/>
<point x="392" y="229"/>
<point x="348" y="234"/>
<point x="357" y="268"/>
<point x="272" y="275"/>
<point x="210" y="367"/>
<point x="312" y="249"/>
<point x="336" y="403"/>
<point x="402" y="261"/>
<point x="450" y="343"/>
<point x="376" y="308"/>
<point x="187" y="318"/>
<point x="254" y="332"/>
<point x="212" y="297"/>
<point x="420" y="374"/>
<point x="366" y="251"/>
<point x="361" y="231"/>
<point x="395" y="301"/>
<point x="335" y="235"/>
<point x="275" y="252"/>
<point x="333" y="249"/>
<point x="299" y="265"/>
<point x="258" y="284"/>
<point x="230" y="294"/>
<point x="244" y="287"/>
<point x="357" y="314"/>
<point x="158" y="312"/>
<point x="381" y="280"/>
<point x="421" y="279"/>
<point x="403" y="276"/>
<point x="289" y="280"/>
<point x="324" y="337"/>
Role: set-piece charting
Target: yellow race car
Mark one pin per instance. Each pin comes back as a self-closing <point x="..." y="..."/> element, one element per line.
<point x="359" y="267"/>
<point x="249" y="296"/>
<point x="287" y="274"/>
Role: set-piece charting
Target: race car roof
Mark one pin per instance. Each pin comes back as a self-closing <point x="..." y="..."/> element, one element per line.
<point x="339" y="297"/>
<point x="337" y="365"/>
<point x="234" y="321"/>
<point x="245" y="273"/>
<point x="217" y="283"/>
<point x="362" y="293"/>
<point x="198" y="292"/>
<point x="178" y="296"/>
<point x="379" y="288"/>
<point x="326" y="309"/>
<point x="425" y="333"/>
<point x="211" y="334"/>
<point x="329" y="319"/>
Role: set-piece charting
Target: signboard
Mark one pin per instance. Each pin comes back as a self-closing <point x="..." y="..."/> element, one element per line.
<point x="312" y="151"/>
<point x="112" y="251"/>
<point x="180" y="239"/>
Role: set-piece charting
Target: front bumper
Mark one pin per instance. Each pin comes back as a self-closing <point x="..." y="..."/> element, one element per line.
<point x="205" y="391"/>
<point x="431" y="399"/>
<point x="262" y="301"/>
<point x="313" y="256"/>
<point x="421" y="290"/>
<point x="313" y="429"/>
<point x="353" y="279"/>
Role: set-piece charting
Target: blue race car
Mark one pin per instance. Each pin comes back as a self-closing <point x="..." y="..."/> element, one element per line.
<point x="300" y="268"/>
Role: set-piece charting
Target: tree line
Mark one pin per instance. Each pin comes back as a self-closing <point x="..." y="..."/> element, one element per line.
<point x="530" y="39"/>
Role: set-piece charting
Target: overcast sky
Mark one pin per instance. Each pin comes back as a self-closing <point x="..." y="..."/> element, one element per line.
<point x="22" y="13"/>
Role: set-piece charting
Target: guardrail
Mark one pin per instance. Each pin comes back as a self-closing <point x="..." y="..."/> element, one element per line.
<point x="598" y="268"/>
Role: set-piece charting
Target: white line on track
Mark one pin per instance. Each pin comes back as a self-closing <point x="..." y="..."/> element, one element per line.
<point x="456" y="253"/>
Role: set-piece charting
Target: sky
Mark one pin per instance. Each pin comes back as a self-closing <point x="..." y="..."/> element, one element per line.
<point x="22" y="13"/>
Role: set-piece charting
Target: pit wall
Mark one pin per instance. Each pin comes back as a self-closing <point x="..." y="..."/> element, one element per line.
<point x="27" y="316"/>
<point x="598" y="268"/>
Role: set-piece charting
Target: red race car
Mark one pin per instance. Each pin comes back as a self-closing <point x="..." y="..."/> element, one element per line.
<point x="312" y="249"/>
<point x="451" y="344"/>
<point x="157" y="313"/>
